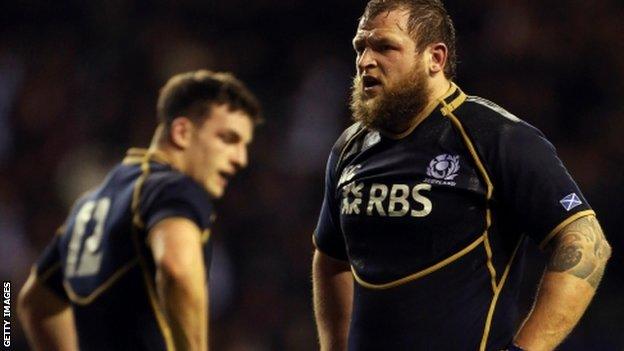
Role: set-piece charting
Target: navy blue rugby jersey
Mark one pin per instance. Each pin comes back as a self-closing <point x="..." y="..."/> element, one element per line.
<point x="434" y="223"/>
<point x="99" y="260"/>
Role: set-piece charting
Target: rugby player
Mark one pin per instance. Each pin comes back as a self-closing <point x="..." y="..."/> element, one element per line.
<point x="128" y="269"/>
<point x="431" y="198"/>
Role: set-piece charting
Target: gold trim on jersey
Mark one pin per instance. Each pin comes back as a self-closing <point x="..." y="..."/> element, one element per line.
<point x="85" y="300"/>
<point x="164" y="327"/>
<point x="136" y="155"/>
<point x="420" y="273"/>
<point x="490" y="265"/>
<point x="564" y="223"/>
<point x="499" y="288"/>
<point x="205" y="236"/>
<point x="447" y="110"/>
<point x="136" y="193"/>
<point x="47" y="273"/>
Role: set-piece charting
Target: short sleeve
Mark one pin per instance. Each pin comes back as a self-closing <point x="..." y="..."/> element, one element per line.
<point x="534" y="184"/>
<point x="178" y="196"/>
<point x="328" y="237"/>
<point x="49" y="270"/>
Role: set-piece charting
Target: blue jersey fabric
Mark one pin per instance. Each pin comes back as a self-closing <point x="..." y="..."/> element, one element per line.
<point x="99" y="260"/>
<point x="434" y="224"/>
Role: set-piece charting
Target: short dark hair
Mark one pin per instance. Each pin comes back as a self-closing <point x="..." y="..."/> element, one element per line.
<point x="192" y="94"/>
<point x="428" y="23"/>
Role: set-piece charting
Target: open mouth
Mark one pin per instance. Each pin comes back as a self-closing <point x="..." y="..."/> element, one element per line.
<point x="225" y="176"/>
<point x="370" y="82"/>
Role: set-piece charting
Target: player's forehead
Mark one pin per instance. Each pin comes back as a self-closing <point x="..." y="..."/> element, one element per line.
<point x="392" y="23"/>
<point x="222" y="118"/>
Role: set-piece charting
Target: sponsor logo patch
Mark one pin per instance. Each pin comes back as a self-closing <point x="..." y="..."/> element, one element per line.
<point x="347" y="174"/>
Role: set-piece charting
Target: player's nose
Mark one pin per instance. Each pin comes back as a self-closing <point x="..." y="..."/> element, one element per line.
<point x="366" y="60"/>
<point x="239" y="157"/>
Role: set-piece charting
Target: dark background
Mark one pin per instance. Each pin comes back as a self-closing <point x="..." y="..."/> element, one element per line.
<point x="79" y="80"/>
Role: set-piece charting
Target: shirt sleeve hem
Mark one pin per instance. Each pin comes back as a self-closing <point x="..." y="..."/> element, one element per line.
<point x="334" y="256"/>
<point x="564" y="223"/>
<point x="45" y="275"/>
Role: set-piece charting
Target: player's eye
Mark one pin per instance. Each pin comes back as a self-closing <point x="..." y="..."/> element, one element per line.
<point x="385" y="47"/>
<point x="230" y="137"/>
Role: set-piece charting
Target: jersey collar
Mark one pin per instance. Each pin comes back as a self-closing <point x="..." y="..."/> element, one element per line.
<point x="451" y="100"/>
<point x="136" y="155"/>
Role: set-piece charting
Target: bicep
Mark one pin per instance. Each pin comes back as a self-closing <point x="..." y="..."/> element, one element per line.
<point x="326" y="265"/>
<point x="580" y="249"/>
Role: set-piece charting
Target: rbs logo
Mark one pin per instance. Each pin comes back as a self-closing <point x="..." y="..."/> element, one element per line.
<point x="396" y="200"/>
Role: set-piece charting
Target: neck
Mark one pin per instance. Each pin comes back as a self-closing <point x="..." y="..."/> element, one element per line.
<point x="439" y="88"/>
<point x="162" y="146"/>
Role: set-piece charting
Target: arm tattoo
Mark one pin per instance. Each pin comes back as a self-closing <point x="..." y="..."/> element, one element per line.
<point x="580" y="249"/>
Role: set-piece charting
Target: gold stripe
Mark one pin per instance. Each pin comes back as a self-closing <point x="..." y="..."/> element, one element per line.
<point x="137" y="155"/>
<point x="453" y="105"/>
<point x="85" y="300"/>
<point x="136" y="194"/>
<point x="420" y="273"/>
<point x="472" y="151"/>
<point x="490" y="187"/>
<point x="488" y="252"/>
<point x="205" y="236"/>
<point x="45" y="275"/>
<point x="61" y="230"/>
<point x="147" y="279"/>
<point x="561" y="225"/>
<point x="131" y="160"/>
<point x="499" y="288"/>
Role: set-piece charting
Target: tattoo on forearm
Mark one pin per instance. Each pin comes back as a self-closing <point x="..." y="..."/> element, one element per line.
<point x="581" y="250"/>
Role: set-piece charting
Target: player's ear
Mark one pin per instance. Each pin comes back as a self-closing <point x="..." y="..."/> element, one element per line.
<point x="436" y="55"/>
<point x="180" y="132"/>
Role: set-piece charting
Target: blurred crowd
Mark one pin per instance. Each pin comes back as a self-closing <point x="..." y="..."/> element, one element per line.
<point x="79" y="81"/>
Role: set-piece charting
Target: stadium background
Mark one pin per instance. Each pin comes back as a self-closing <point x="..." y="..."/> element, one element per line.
<point x="78" y="83"/>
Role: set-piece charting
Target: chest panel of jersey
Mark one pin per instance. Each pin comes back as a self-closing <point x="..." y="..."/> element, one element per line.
<point x="407" y="204"/>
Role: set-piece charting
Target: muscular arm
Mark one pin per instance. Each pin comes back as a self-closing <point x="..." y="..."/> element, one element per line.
<point x="578" y="257"/>
<point x="333" y="297"/>
<point x="181" y="281"/>
<point x="48" y="321"/>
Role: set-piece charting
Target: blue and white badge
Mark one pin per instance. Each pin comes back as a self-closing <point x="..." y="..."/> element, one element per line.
<point x="570" y="201"/>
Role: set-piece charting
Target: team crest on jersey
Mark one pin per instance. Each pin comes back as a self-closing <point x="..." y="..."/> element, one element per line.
<point x="443" y="169"/>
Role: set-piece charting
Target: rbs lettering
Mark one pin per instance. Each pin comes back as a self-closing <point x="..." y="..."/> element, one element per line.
<point x="397" y="200"/>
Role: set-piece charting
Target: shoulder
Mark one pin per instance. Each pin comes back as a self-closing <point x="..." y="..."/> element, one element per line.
<point x="165" y="184"/>
<point x="490" y="124"/>
<point x="347" y="137"/>
<point x="347" y="145"/>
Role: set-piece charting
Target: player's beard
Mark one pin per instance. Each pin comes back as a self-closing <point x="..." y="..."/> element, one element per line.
<point x="396" y="107"/>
